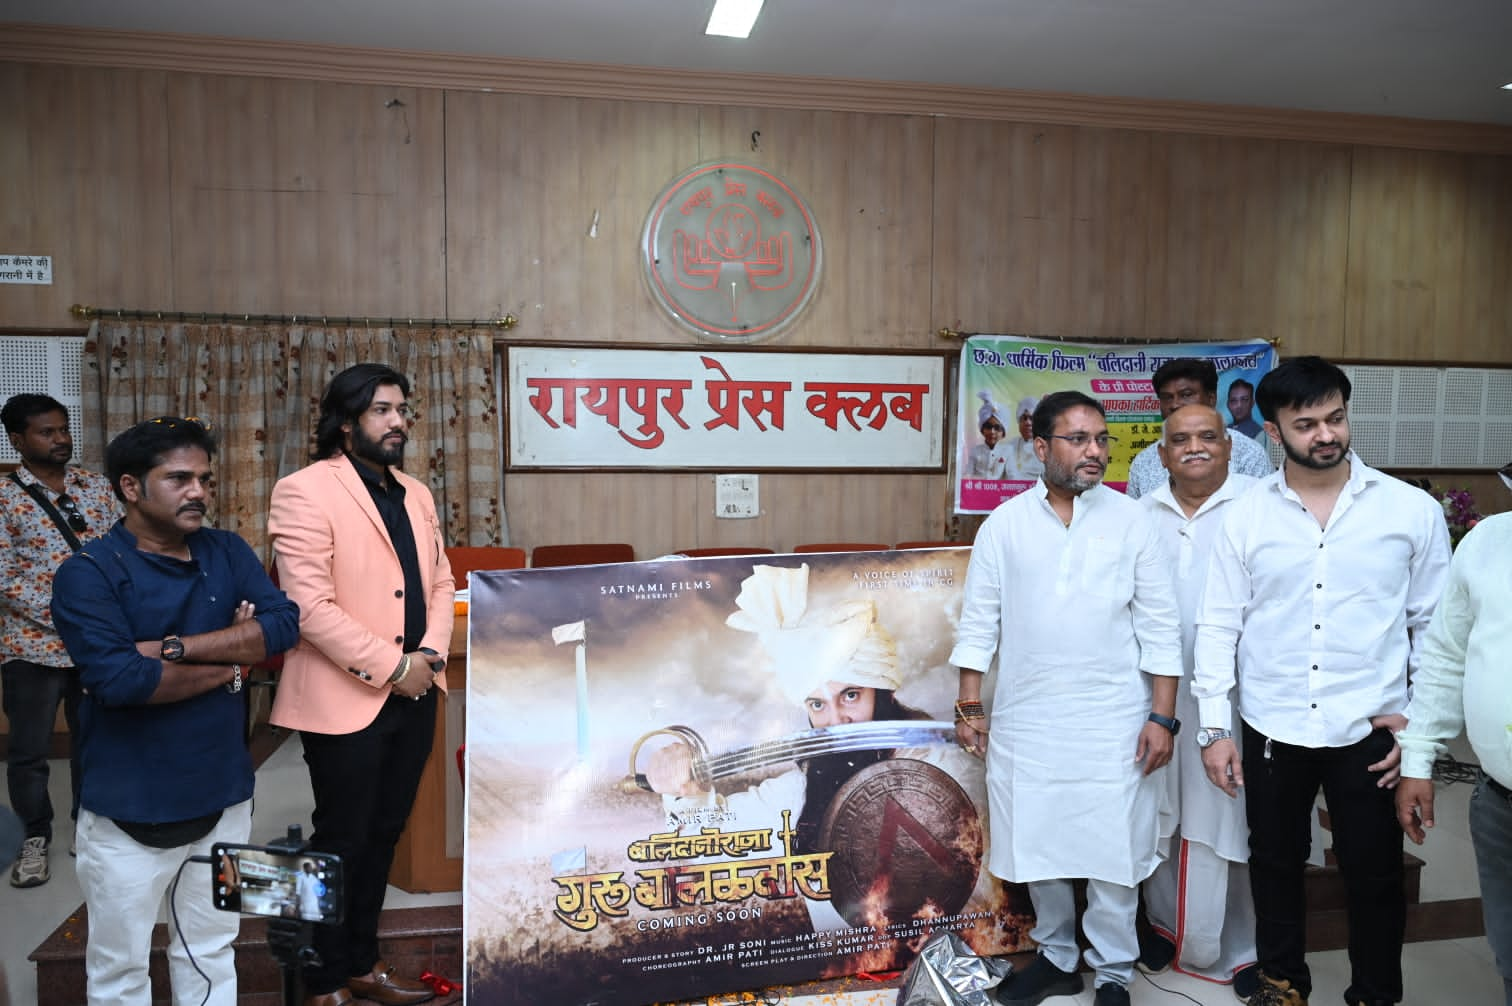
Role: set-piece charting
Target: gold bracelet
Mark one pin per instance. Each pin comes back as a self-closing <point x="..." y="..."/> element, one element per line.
<point x="404" y="665"/>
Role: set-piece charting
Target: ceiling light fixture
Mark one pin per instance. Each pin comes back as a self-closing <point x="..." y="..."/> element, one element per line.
<point x="733" y="18"/>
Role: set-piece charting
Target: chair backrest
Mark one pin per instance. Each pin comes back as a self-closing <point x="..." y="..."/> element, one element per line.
<point x="703" y="553"/>
<point x="466" y="558"/>
<point x="932" y="544"/>
<point x="580" y="555"/>
<point x="841" y="546"/>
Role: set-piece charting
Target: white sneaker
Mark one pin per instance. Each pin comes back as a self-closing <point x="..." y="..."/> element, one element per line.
<point x="31" y="867"/>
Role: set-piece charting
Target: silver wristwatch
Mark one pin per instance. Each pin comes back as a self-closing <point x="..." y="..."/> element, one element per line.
<point x="1208" y="736"/>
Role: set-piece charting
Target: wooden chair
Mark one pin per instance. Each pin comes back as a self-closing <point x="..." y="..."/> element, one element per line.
<point x="841" y="546"/>
<point x="466" y="558"/>
<point x="932" y="544"/>
<point x="580" y="555"/>
<point x="703" y="553"/>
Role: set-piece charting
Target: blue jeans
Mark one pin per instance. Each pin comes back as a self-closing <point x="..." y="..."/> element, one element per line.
<point x="1491" y="834"/>
<point x="31" y="694"/>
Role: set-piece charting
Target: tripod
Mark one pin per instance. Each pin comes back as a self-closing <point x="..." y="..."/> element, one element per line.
<point x="291" y="941"/>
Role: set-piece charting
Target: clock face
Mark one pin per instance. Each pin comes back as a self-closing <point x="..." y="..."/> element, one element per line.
<point x="731" y="252"/>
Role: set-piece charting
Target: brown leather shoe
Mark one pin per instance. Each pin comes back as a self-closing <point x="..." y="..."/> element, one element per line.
<point x="383" y="986"/>
<point x="341" y="997"/>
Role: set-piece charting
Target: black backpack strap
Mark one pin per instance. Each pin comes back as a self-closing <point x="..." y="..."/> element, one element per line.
<point x="52" y="511"/>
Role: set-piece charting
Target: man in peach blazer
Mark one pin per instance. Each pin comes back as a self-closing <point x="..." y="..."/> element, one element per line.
<point x="359" y="546"/>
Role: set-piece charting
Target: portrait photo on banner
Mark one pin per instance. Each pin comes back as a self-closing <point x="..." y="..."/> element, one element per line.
<point x="696" y="776"/>
<point x="1003" y="378"/>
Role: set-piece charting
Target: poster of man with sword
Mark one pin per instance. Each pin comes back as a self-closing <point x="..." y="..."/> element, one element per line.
<point x="697" y="776"/>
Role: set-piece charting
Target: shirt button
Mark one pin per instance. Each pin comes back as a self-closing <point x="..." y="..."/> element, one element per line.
<point x="1320" y="586"/>
<point x="398" y="639"/>
<point x="1315" y="705"/>
<point x="1315" y="667"/>
<point x="398" y="593"/>
<point x="1317" y="626"/>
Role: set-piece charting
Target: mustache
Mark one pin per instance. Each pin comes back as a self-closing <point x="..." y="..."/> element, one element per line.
<point x="1197" y="456"/>
<point x="192" y="508"/>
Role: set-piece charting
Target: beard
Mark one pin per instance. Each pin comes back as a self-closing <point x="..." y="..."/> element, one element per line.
<point x="382" y="451"/>
<point x="1068" y="477"/>
<point x="1311" y="460"/>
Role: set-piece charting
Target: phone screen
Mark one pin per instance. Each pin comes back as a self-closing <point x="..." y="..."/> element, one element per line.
<point x="256" y="880"/>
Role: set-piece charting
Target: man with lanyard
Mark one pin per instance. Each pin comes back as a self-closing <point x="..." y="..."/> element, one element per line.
<point x="1322" y="582"/>
<point x="1198" y="901"/>
<point x="159" y="614"/>
<point x="1070" y="587"/>
<point x="1462" y="683"/>
<point x="1189" y="381"/>
<point x="359" y="547"/>
<point x="48" y="508"/>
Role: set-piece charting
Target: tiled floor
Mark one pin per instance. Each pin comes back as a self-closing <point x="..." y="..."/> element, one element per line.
<point x="1449" y="973"/>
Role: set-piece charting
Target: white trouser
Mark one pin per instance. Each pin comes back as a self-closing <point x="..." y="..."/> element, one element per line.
<point x="124" y="884"/>
<point x="1108" y="923"/>
<point x="1202" y="904"/>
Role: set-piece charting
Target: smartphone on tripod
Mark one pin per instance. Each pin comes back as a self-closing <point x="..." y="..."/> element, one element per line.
<point x="277" y="883"/>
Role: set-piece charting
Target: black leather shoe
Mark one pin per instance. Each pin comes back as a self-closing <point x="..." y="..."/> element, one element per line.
<point x="1036" y="983"/>
<point x="388" y="988"/>
<point x="1111" y="994"/>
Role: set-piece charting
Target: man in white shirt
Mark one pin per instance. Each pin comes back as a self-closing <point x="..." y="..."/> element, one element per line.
<point x="986" y="460"/>
<point x="1189" y="381"/>
<point x="1462" y="682"/>
<point x="1202" y="917"/>
<point x="1070" y="587"/>
<point x="1322" y="581"/>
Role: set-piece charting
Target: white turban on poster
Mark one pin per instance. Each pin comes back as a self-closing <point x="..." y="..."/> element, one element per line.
<point x="843" y="642"/>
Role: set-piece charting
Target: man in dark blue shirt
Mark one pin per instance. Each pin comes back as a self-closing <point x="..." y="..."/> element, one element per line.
<point x="158" y="615"/>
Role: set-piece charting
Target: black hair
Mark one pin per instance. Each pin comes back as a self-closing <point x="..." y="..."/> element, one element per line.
<point x="1054" y="405"/>
<point x="825" y="774"/>
<point x="1298" y="383"/>
<point x="1240" y="382"/>
<point x="18" y="410"/>
<point x="1189" y="367"/>
<point x="141" y="448"/>
<point x="346" y="398"/>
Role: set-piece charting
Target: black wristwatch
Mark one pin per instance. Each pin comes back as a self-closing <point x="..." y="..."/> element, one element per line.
<point x="1171" y="723"/>
<point x="173" y="649"/>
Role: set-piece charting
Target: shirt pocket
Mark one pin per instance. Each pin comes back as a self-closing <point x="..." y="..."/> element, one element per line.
<point x="1107" y="570"/>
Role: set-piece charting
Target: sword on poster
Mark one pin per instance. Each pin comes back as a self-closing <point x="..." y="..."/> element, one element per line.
<point x="577" y="632"/>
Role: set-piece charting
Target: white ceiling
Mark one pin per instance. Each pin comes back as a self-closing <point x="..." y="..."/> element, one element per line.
<point x="1433" y="59"/>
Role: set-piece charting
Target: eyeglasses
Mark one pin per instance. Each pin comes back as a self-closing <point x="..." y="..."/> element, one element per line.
<point x="71" y="511"/>
<point x="404" y="409"/>
<point x="1083" y="439"/>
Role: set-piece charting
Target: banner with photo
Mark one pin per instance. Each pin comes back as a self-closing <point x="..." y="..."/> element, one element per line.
<point x="696" y="776"/>
<point x="1003" y="378"/>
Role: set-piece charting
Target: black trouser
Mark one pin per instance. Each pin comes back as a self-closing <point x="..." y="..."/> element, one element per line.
<point x="365" y="785"/>
<point x="1279" y="791"/>
<point x="31" y="694"/>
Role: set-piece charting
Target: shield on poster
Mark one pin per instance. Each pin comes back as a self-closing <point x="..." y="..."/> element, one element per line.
<point x="907" y="843"/>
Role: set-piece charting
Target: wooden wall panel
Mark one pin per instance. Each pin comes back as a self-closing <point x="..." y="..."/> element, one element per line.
<point x="1041" y="229"/>
<point x="1251" y="242"/>
<point x="84" y="171"/>
<point x="1430" y="249"/>
<point x="525" y="176"/>
<point x="298" y="198"/>
<point x="868" y="180"/>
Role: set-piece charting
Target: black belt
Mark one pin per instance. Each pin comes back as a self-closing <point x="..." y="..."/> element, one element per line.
<point x="1498" y="788"/>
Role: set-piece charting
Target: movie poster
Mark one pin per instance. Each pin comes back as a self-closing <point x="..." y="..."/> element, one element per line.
<point x="1003" y="378"/>
<point x="694" y="776"/>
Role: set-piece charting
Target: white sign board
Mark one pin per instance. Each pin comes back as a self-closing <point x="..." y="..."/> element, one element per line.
<point x="702" y="409"/>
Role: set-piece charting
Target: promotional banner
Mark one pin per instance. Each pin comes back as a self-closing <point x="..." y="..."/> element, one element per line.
<point x="1003" y="378"/>
<point x="695" y="776"/>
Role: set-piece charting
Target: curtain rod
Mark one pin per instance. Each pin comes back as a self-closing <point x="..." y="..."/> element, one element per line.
<point x="88" y="313"/>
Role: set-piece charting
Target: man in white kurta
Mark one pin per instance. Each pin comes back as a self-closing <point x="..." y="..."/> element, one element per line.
<point x="1198" y="900"/>
<point x="1070" y="588"/>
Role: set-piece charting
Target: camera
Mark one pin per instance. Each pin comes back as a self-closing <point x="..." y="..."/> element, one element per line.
<point x="276" y="882"/>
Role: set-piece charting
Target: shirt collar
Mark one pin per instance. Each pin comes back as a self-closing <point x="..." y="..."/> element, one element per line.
<point x="1360" y="476"/>
<point x="375" y="480"/>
